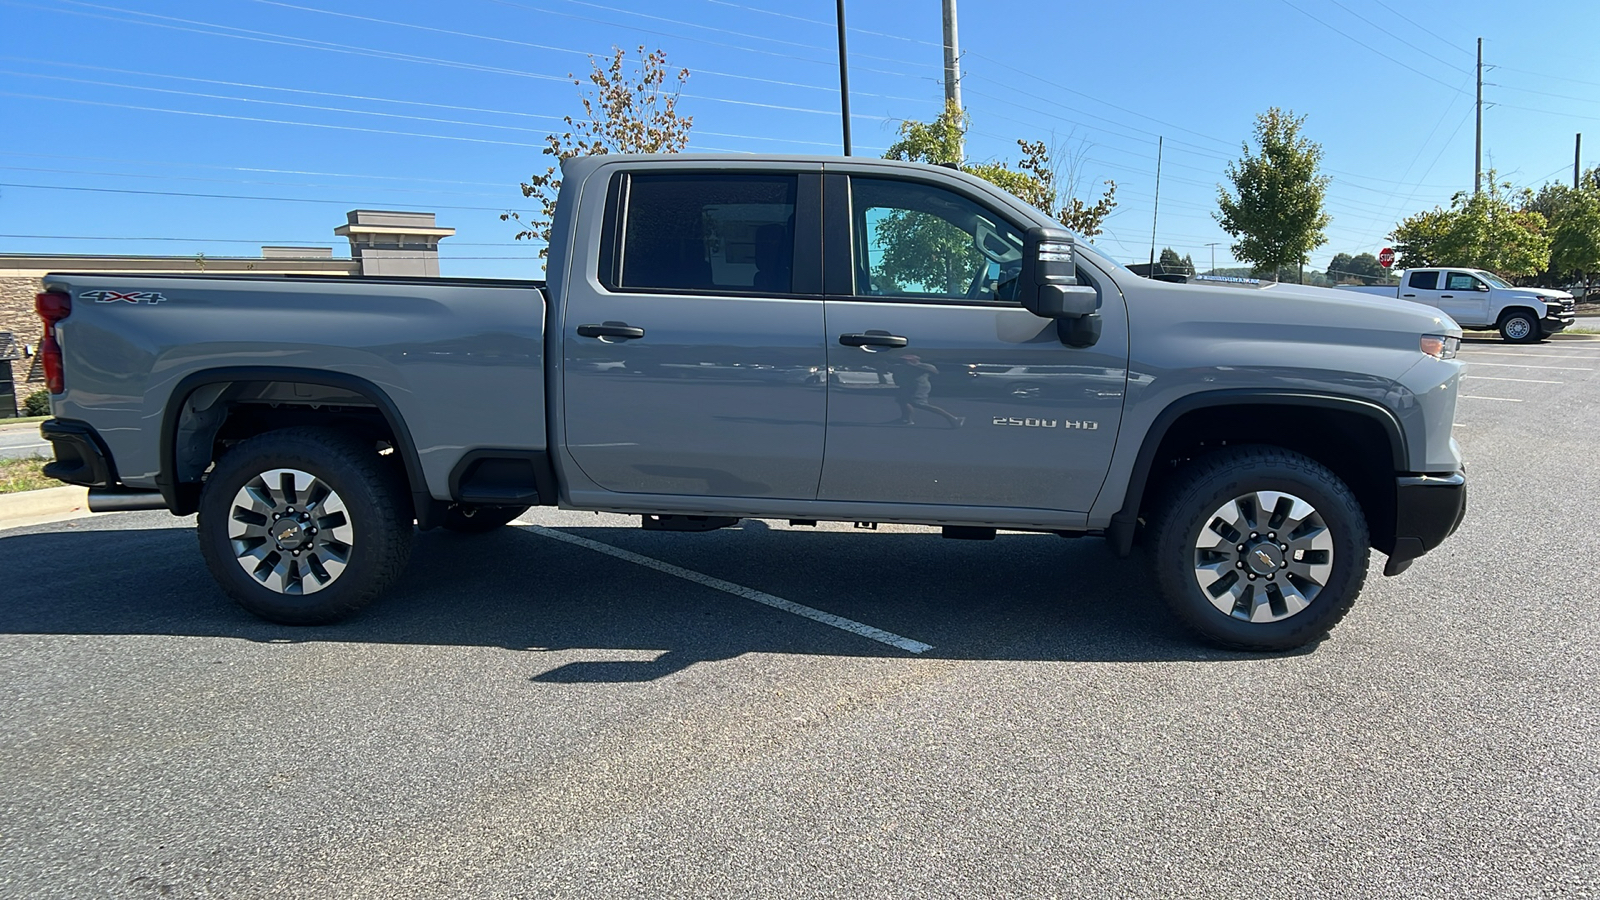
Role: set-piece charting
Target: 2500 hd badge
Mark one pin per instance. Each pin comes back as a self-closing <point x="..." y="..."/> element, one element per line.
<point x="1046" y="423"/>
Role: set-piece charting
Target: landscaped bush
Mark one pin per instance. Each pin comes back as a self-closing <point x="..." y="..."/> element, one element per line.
<point x="37" y="404"/>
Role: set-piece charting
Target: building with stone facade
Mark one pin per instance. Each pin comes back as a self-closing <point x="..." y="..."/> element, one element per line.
<point x="404" y="244"/>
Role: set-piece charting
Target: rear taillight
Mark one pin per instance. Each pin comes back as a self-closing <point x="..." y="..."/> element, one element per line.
<point x="52" y="308"/>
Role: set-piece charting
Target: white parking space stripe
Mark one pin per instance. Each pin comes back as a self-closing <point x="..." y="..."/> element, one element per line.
<point x="788" y="606"/>
<point x="1505" y="399"/>
<point x="1536" y="355"/>
<point x="1521" y="366"/>
<point x="1523" y="380"/>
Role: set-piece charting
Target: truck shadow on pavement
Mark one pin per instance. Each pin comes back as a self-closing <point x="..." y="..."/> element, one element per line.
<point x="1021" y="597"/>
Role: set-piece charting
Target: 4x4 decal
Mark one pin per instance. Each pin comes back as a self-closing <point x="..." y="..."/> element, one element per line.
<point x="128" y="296"/>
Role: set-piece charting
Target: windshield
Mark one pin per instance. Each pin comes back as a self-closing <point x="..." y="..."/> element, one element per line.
<point x="1492" y="278"/>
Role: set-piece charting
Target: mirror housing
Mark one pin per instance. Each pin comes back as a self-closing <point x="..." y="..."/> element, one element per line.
<point x="1049" y="286"/>
<point x="1049" y="279"/>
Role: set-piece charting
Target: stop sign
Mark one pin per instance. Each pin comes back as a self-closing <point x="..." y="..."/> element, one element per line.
<point x="1386" y="257"/>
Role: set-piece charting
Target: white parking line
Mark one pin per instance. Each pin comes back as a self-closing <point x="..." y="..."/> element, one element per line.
<point x="1535" y="355"/>
<point x="788" y="606"/>
<point x="1521" y="366"/>
<point x="1506" y="399"/>
<point x="1523" y="380"/>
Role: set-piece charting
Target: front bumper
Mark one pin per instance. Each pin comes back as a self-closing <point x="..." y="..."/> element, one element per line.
<point x="81" y="456"/>
<point x="1428" y="509"/>
<point x="1556" y="322"/>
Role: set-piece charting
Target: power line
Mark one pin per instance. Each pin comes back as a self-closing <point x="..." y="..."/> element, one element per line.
<point x="323" y="200"/>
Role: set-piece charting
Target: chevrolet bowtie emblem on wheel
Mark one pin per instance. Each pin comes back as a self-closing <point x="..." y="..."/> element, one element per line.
<point x="151" y="297"/>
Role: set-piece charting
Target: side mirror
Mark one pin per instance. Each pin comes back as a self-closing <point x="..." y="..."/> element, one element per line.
<point x="1482" y="287"/>
<point x="1065" y="301"/>
<point x="1049" y="279"/>
<point x="1049" y="286"/>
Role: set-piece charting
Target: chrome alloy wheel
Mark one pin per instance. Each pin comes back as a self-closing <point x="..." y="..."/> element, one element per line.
<point x="1263" y="557"/>
<point x="290" y="531"/>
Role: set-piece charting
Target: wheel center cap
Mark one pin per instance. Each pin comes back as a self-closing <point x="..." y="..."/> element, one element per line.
<point x="289" y="535"/>
<point x="1263" y="559"/>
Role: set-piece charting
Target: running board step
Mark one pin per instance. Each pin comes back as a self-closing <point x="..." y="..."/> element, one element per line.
<point x="685" y="523"/>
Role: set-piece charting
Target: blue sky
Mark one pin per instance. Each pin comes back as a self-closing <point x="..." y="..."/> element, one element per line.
<point x="329" y="105"/>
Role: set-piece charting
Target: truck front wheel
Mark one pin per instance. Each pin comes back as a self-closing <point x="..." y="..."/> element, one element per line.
<point x="1520" y="326"/>
<point x="304" y="526"/>
<point x="1260" y="548"/>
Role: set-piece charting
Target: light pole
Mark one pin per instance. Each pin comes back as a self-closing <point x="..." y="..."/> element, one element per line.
<point x="1213" y="246"/>
<point x="844" y="82"/>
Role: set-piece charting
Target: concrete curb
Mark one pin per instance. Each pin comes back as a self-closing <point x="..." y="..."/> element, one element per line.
<point x="1575" y="337"/>
<point x="43" y="506"/>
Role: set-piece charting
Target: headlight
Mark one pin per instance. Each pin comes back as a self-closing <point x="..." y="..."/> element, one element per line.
<point x="1440" y="346"/>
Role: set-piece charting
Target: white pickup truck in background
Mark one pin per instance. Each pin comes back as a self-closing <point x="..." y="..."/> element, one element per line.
<point x="1483" y="301"/>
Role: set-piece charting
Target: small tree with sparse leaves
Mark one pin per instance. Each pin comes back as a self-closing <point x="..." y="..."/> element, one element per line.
<point x="624" y="112"/>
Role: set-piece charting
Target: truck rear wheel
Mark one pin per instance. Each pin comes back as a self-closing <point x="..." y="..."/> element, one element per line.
<point x="467" y="519"/>
<point x="1260" y="548"/>
<point x="1520" y="326"/>
<point x="304" y="526"/>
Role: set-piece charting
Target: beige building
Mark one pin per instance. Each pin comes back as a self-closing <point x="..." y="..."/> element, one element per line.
<point x="404" y="244"/>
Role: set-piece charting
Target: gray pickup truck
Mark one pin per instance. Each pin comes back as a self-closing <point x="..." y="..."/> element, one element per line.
<point x="795" y="338"/>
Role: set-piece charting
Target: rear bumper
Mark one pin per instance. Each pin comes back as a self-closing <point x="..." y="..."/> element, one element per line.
<point x="81" y="456"/>
<point x="1428" y="509"/>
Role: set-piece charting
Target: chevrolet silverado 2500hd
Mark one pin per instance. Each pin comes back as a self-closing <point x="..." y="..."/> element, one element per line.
<point x="790" y="337"/>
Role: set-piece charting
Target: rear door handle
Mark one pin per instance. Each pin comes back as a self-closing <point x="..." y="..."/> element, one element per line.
<point x="619" y="330"/>
<point x="873" y="339"/>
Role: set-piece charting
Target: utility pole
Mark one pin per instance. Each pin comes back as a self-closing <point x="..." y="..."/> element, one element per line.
<point x="1213" y="246"/>
<point x="952" y="66"/>
<point x="1477" y="152"/>
<point x="844" y="82"/>
<point x="1160" y="140"/>
<point x="1577" y="154"/>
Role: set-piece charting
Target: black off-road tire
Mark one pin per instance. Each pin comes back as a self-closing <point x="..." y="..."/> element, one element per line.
<point x="1215" y="480"/>
<point x="377" y="511"/>
<point x="1520" y="326"/>
<point x="464" y="519"/>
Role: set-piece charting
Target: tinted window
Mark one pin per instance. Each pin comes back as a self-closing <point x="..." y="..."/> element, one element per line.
<point x="1423" y="281"/>
<point x="707" y="233"/>
<point x="916" y="240"/>
<point x="1460" y="281"/>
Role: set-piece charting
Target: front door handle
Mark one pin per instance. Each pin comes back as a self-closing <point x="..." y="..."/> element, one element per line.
<point x="617" y="330"/>
<point x="1447" y="296"/>
<point x="1408" y="295"/>
<point x="873" y="339"/>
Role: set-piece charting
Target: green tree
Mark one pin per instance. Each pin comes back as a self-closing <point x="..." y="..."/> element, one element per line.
<point x="1575" y="238"/>
<point x="623" y="112"/>
<point x="1170" y="261"/>
<point x="1276" y="211"/>
<point x="1495" y="229"/>
<point x="1362" y="268"/>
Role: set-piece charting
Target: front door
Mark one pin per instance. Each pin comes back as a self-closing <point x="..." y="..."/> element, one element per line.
<point x="1465" y="298"/>
<point x="693" y="361"/>
<point x="942" y="389"/>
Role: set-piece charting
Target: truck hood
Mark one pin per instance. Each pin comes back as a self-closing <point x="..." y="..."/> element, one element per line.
<point x="1310" y="315"/>
<point x="1546" y="294"/>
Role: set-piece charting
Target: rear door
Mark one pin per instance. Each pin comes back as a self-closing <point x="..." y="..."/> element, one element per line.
<point x="1421" y="286"/>
<point x="942" y="388"/>
<point x="693" y="354"/>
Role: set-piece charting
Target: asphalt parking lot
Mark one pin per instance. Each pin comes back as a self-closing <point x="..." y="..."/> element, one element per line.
<point x="573" y="707"/>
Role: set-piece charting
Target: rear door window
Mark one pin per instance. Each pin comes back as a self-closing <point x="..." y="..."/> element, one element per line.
<point x="707" y="234"/>
<point x="1423" y="281"/>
